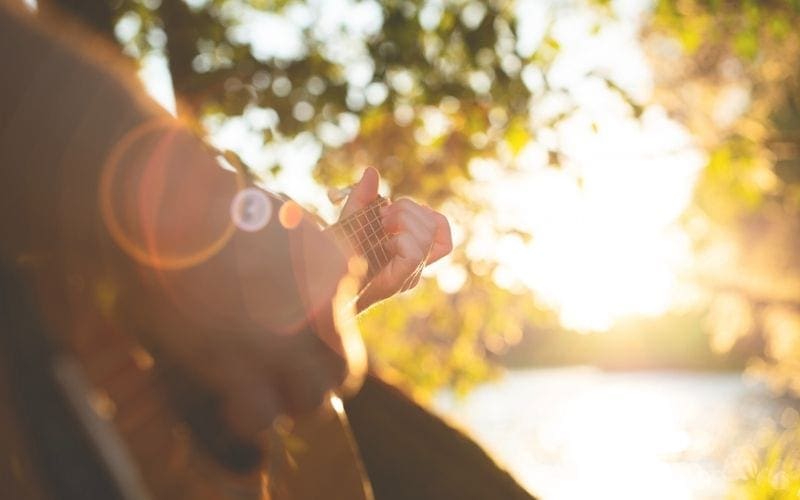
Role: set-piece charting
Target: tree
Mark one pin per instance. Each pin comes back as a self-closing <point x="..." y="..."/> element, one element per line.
<point x="735" y="82"/>
<point x="417" y="89"/>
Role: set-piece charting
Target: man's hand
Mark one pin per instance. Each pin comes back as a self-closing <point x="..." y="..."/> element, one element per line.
<point x="418" y="236"/>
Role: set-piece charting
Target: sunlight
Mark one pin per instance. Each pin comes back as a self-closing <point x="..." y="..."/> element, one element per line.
<point x="576" y="433"/>
<point x="560" y="236"/>
<point x="631" y="430"/>
<point x="613" y="249"/>
<point x="606" y="244"/>
<point x="607" y="249"/>
<point x="154" y="73"/>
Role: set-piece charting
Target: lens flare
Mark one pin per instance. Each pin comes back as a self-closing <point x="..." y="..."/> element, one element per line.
<point x="290" y="214"/>
<point x="137" y="168"/>
<point x="251" y="210"/>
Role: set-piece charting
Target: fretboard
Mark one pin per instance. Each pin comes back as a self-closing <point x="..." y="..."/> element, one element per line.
<point x="363" y="233"/>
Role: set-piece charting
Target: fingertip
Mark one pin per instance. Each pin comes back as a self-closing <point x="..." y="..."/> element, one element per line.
<point x="367" y="187"/>
<point x="370" y="176"/>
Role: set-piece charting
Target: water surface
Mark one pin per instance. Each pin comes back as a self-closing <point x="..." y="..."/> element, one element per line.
<point x="577" y="433"/>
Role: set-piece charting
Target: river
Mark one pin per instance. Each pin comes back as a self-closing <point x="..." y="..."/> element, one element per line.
<point x="578" y="433"/>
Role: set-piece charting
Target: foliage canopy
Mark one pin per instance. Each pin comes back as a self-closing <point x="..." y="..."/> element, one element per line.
<point x="419" y="89"/>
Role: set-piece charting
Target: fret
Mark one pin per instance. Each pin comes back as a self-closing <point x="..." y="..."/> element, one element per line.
<point x="380" y="236"/>
<point x="363" y="233"/>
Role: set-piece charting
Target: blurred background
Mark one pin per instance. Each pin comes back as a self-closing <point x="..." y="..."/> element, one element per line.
<point x="621" y="315"/>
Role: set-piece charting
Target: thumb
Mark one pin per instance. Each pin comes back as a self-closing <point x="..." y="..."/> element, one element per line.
<point x="363" y="193"/>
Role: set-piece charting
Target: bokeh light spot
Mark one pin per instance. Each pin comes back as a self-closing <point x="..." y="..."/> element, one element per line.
<point x="251" y="210"/>
<point x="290" y="215"/>
<point x="138" y="164"/>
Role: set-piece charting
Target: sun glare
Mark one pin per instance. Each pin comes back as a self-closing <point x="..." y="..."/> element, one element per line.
<point x="606" y="243"/>
<point x="605" y="240"/>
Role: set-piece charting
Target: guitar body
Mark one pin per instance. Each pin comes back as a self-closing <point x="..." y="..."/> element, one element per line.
<point x="159" y="436"/>
<point x="156" y="439"/>
<point x="126" y="410"/>
<point x="87" y="139"/>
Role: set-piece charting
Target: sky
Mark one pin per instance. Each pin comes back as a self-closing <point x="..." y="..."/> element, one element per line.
<point x="606" y="242"/>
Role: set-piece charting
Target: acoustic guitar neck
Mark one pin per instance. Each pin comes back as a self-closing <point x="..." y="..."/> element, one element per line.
<point x="362" y="232"/>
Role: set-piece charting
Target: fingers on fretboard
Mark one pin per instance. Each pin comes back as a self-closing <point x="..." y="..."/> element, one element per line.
<point x="363" y="232"/>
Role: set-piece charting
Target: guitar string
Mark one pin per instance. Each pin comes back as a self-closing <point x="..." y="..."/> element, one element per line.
<point x="367" y="224"/>
<point x="362" y="237"/>
<point x="375" y="239"/>
<point x="380" y="229"/>
<point x="370" y="251"/>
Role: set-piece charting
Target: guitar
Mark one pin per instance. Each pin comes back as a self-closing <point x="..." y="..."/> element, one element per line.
<point x="154" y="435"/>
